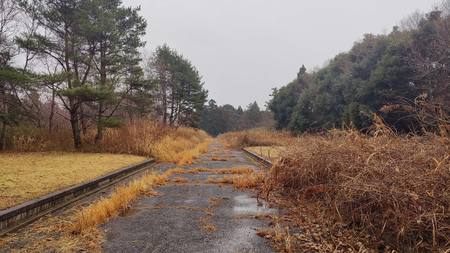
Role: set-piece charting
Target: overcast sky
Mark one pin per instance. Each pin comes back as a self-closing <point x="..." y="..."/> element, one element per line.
<point x="244" y="48"/>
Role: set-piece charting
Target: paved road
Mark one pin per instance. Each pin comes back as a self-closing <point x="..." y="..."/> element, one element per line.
<point x="193" y="216"/>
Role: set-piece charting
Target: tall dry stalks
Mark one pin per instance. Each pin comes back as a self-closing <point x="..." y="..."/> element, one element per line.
<point x="396" y="189"/>
<point x="256" y="137"/>
<point x="142" y="137"/>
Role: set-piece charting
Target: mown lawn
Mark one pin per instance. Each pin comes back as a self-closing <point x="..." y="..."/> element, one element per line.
<point x="24" y="176"/>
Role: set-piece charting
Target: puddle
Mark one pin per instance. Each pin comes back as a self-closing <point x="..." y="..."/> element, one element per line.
<point x="189" y="201"/>
<point x="243" y="204"/>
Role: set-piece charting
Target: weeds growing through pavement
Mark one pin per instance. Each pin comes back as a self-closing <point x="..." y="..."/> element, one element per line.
<point x="218" y="159"/>
<point x="106" y="208"/>
<point x="245" y="181"/>
<point x="205" y="221"/>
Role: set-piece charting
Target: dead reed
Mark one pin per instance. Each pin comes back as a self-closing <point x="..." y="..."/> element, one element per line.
<point x="167" y="144"/>
<point x="256" y="137"/>
<point x="395" y="189"/>
<point x="141" y="137"/>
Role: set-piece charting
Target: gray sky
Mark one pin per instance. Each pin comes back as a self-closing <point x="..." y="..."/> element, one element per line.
<point x="244" y="48"/>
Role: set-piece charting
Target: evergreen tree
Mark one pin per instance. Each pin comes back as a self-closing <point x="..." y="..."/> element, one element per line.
<point x="180" y="93"/>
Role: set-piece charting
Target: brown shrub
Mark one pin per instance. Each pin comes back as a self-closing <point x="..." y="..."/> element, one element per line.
<point x="394" y="188"/>
<point x="30" y="139"/>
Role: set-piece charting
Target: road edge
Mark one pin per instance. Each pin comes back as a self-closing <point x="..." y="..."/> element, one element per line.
<point x="258" y="159"/>
<point x="23" y="214"/>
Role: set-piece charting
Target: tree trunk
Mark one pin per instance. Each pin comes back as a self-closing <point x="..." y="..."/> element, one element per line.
<point x="3" y="136"/>
<point x="172" y="110"/>
<point x="4" y="111"/>
<point x="99" y="135"/>
<point x="52" y="113"/>
<point x="103" y="70"/>
<point x="75" y="124"/>
<point x="164" y="102"/>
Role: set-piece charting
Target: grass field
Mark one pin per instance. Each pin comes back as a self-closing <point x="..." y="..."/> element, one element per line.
<point x="24" y="176"/>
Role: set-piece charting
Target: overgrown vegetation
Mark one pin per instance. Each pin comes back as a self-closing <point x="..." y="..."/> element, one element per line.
<point x="141" y="137"/>
<point x="385" y="179"/>
<point x="271" y="153"/>
<point x="256" y="137"/>
<point x="393" y="188"/>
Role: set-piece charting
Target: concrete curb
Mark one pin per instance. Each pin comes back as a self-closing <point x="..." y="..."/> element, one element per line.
<point x="259" y="159"/>
<point x="25" y="213"/>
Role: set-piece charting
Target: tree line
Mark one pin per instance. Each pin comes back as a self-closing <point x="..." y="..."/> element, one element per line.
<point x="216" y="119"/>
<point x="402" y="77"/>
<point x="79" y="61"/>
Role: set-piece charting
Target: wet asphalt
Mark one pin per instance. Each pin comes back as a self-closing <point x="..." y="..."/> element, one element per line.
<point x="193" y="216"/>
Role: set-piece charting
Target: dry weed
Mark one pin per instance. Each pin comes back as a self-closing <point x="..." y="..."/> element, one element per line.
<point x="141" y="137"/>
<point x="106" y="208"/>
<point x="179" y="180"/>
<point x="236" y="170"/>
<point x="218" y="159"/>
<point x="205" y="221"/>
<point x="393" y="188"/>
<point x="245" y="181"/>
<point x="256" y="137"/>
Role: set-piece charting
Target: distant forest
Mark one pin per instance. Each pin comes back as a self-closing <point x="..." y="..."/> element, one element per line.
<point x="402" y="78"/>
<point x="220" y="119"/>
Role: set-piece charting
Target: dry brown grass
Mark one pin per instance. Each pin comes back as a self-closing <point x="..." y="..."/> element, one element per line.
<point x="206" y="221"/>
<point x="142" y="137"/>
<point x="239" y="177"/>
<point x="271" y="153"/>
<point x="218" y="159"/>
<point x="281" y="239"/>
<point x="106" y="208"/>
<point x="78" y="231"/>
<point x="179" y="180"/>
<point x="181" y="148"/>
<point x="29" y="139"/>
<point x="245" y="181"/>
<point x="51" y="234"/>
<point x="235" y="170"/>
<point x="24" y="176"/>
<point x="394" y="189"/>
<point x="123" y="196"/>
<point x="256" y="137"/>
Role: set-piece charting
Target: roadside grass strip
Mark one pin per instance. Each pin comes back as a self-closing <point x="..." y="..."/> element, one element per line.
<point x="24" y="176"/>
<point x="101" y="211"/>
